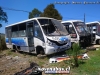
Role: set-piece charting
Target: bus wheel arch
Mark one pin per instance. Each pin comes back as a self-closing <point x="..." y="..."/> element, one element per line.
<point x="40" y="50"/>
<point x="17" y="48"/>
<point x="14" y="47"/>
<point x="98" y="41"/>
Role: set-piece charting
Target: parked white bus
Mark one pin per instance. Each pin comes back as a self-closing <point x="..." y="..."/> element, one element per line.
<point x="94" y="28"/>
<point x="77" y="30"/>
<point x="41" y="35"/>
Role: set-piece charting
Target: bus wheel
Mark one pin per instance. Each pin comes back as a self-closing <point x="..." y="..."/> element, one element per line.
<point x="40" y="50"/>
<point x="16" y="48"/>
<point x="99" y="41"/>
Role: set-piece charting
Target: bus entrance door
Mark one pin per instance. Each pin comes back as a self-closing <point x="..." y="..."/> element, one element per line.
<point x="30" y="35"/>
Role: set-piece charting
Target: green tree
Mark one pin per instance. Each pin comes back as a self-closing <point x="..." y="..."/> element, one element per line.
<point x="51" y="12"/>
<point x="2" y="43"/>
<point x="76" y="51"/>
<point x="35" y="13"/>
<point x="73" y="54"/>
<point x="3" y="17"/>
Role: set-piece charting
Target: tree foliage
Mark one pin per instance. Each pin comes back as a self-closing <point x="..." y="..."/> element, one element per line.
<point x="35" y="13"/>
<point x="76" y="51"/>
<point x="2" y="43"/>
<point x="51" y="12"/>
<point x="73" y="53"/>
<point x="3" y="16"/>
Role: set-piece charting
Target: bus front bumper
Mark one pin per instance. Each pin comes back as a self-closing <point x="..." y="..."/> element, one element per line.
<point x="55" y="49"/>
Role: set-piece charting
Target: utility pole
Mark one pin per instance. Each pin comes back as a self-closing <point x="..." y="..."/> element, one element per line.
<point x="84" y="17"/>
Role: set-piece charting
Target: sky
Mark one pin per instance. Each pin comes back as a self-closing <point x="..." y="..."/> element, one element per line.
<point x="68" y="11"/>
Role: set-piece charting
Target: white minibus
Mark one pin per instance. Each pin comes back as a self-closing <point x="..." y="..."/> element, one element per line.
<point x="41" y="35"/>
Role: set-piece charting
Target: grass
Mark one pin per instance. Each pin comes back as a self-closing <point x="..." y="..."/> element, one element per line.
<point x="90" y="67"/>
<point x="10" y="52"/>
<point x="41" y="63"/>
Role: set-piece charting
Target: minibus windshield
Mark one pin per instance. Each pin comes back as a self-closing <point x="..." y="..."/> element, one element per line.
<point x="52" y="27"/>
<point x="86" y="28"/>
<point x="80" y="27"/>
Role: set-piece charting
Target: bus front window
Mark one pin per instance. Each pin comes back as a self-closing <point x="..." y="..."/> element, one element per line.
<point x="52" y="27"/>
<point x="80" y="27"/>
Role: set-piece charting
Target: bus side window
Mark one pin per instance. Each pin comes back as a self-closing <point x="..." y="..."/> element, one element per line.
<point x="22" y="30"/>
<point x="37" y="31"/>
<point x="71" y="29"/>
<point x="98" y="30"/>
<point x="67" y="28"/>
<point x="15" y="31"/>
<point x="30" y="29"/>
<point x="6" y="34"/>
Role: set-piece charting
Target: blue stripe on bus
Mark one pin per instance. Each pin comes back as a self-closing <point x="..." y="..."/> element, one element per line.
<point x="17" y="41"/>
<point x="7" y="40"/>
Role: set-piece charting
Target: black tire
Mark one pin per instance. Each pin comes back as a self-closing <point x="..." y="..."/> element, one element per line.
<point x="98" y="42"/>
<point x="14" y="47"/>
<point x="40" y="50"/>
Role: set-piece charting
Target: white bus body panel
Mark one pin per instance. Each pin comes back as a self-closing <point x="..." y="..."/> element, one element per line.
<point x="54" y="48"/>
<point x="38" y="42"/>
<point x="9" y="46"/>
<point x="20" y="41"/>
<point x="73" y="40"/>
<point x="96" y="36"/>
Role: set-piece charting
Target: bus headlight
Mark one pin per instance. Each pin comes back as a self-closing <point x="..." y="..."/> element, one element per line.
<point x="50" y="43"/>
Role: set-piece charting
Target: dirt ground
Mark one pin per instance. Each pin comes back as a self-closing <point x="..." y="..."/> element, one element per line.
<point x="12" y="62"/>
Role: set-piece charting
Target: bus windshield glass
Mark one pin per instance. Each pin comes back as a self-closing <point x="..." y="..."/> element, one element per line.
<point x="80" y="27"/>
<point x="52" y="27"/>
<point x="86" y="28"/>
<point x="95" y="28"/>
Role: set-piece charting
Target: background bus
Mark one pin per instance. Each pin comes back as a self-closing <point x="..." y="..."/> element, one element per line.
<point x="94" y="28"/>
<point x="77" y="30"/>
<point x="40" y="35"/>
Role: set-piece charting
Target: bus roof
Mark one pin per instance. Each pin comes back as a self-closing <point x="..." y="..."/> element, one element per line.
<point x="93" y="22"/>
<point x="29" y="20"/>
<point x="72" y="21"/>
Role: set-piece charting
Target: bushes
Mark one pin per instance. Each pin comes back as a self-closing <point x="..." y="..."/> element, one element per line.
<point x="2" y="43"/>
